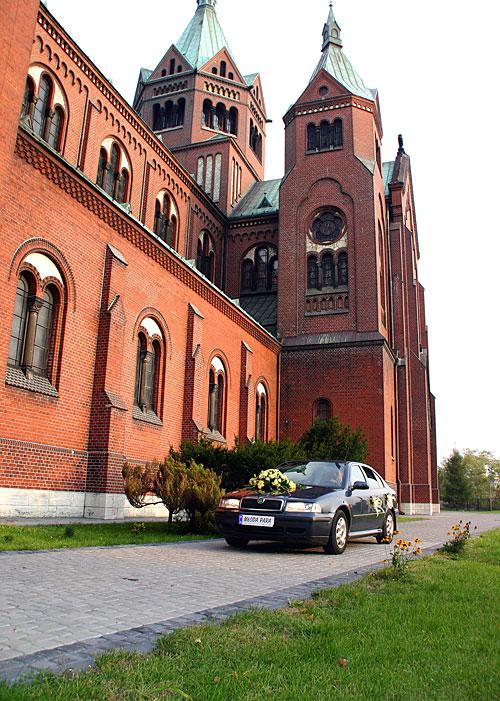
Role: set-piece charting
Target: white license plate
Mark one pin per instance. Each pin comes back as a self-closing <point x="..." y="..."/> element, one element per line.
<point x="250" y="520"/>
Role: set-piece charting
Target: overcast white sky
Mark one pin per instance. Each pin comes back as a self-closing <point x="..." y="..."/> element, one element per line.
<point x="432" y="61"/>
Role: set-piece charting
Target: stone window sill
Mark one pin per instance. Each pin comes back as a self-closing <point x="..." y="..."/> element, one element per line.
<point x="342" y="290"/>
<point x="148" y="417"/>
<point x="324" y="150"/>
<point x="214" y="437"/>
<point x="15" y="377"/>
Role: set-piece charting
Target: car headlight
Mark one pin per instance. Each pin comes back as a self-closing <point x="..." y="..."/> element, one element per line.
<point x="303" y="507"/>
<point x="233" y="504"/>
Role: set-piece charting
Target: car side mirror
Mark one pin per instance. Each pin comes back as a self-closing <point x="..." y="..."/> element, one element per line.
<point x="359" y="485"/>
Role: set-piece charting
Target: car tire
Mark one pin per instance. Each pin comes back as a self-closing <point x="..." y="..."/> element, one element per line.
<point x="387" y="529"/>
<point x="236" y="542"/>
<point x="337" y="542"/>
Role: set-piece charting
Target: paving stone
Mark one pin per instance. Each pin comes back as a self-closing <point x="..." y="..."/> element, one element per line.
<point x="95" y="607"/>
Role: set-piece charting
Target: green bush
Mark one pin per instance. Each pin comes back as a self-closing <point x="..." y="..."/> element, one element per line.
<point x="235" y="467"/>
<point x="332" y="440"/>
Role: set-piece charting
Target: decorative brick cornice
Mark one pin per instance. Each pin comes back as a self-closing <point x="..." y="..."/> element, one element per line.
<point x="80" y="189"/>
<point x="81" y="61"/>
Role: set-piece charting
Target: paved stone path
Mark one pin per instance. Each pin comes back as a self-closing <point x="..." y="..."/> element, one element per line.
<point x="58" y="608"/>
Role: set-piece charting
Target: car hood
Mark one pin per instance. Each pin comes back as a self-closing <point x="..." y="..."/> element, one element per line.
<point x="308" y="493"/>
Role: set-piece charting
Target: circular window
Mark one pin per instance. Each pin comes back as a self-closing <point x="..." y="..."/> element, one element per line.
<point x="323" y="90"/>
<point x="328" y="225"/>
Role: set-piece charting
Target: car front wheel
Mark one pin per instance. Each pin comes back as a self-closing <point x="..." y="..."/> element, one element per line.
<point x="338" y="537"/>
<point x="387" y="530"/>
<point x="236" y="542"/>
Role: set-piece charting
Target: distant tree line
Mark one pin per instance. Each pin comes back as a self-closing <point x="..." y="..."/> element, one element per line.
<point x="470" y="480"/>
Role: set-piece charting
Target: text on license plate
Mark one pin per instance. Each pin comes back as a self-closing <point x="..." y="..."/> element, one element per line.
<point x="250" y="520"/>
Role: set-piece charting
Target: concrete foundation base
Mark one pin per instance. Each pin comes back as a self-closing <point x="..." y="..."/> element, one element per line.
<point x="38" y="503"/>
<point x="420" y="509"/>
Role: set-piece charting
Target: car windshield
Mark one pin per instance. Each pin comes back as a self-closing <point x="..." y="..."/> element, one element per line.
<point x="317" y="474"/>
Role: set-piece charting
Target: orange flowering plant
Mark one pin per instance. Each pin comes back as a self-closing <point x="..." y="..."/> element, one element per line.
<point x="403" y="553"/>
<point x="460" y="534"/>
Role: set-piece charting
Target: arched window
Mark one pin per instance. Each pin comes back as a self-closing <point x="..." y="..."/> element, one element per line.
<point x="327" y="266"/>
<point x="181" y="110"/>
<point x="165" y="224"/>
<point x="312" y="273"/>
<point x="207" y="116"/>
<point x="172" y="66"/>
<point x="233" y="121"/>
<point x="259" y="270"/>
<point x="172" y="231"/>
<point x="216" y="397"/>
<point x="157" y="117"/>
<point x="123" y="186"/>
<point x="247" y="275"/>
<point x="261" y="413"/>
<point x="220" y="117"/>
<point x="113" y="171"/>
<point x="169" y="114"/>
<point x="28" y="98"/>
<point x="47" y="118"/>
<point x="323" y="410"/>
<point x="41" y="344"/>
<point x="113" y="175"/>
<point x="200" y="172"/>
<point x="230" y="76"/>
<point x="223" y="69"/>
<point x="19" y="320"/>
<point x="273" y="273"/>
<point x="338" y="136"/>
<point x="343" y="270"/>
<point x="378" y="155"/>
<point x="311" y="137"/>
<point x="214" y="70"/>
<point x="102" y="168"/>
<point x="205" y="258"/>
<point x="324" y="135"/>
<point x="55" y="129"/>
<point x="35" y="330"/>
<point x="42" y="107"/>
<point x="147" y="392"/>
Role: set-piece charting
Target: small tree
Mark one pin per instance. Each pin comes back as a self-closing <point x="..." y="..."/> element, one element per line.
<point x="202" y="494"/>
<point x="171" y="486"/>
<point x="332" y="440"/>
<point x="455" y="487"/>
<point x="139" y="483"/>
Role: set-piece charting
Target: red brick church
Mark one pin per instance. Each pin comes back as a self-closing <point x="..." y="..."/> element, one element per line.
<point x="155" y="288"/>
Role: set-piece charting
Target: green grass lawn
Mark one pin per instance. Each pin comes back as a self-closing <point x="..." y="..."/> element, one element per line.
<point x="433" y="636"/>
<point x="85" y="535"/>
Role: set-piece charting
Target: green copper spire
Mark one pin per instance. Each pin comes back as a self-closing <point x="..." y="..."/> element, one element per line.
<point x="203" y="37"/>
<point x="331" y="31"/>
<point x="335" y="62"/>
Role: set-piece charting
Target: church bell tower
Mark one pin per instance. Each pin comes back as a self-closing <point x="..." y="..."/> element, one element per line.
<point x="333" y="290"/>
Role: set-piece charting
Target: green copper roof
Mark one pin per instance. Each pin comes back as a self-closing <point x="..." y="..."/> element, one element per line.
<point x="203" y="38"/>
<point x="387" y="169"/>
<point x="262" y="198"/>
<point x="335" y="62"/>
